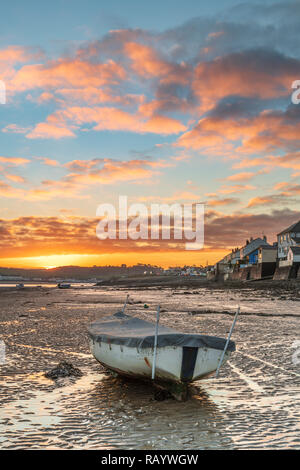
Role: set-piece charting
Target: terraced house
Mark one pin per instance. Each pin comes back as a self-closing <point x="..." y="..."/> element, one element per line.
<point x="288" y="240"/>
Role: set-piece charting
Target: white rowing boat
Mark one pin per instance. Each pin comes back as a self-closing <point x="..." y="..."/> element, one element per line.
<point x="125" y="344"/>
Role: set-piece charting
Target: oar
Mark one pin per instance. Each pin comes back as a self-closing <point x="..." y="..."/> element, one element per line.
<point x="155" y="343"/>
<point x="123" y="310"/>
<point x="227" y="342"/>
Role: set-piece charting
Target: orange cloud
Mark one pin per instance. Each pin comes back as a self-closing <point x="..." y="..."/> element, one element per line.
<point x="49" y="130"/>
<point x="67" y="72"/>
<point x="178" y="196"/>
<point x="147" y="63"/>
<point x="250" y="162"/>
<point x="10" y="192"/>
<point x="289" y="161"/>
<point x="253" y="74"/>
<point x="84" y="173"/>
<point x="278" y="199"/>
<point x="52" y="190"/>
<point x="246" y="176"/>
<point x="61" y="123"/>
<point x="15" y="178"/>
<point x="14" y="160"/>
<point x="112" y="171"/>
<point x="49" y="161"/>
<point x="261" y="200"/>
<point x="222" y="202"/>
<point x="158" y="124"/>
<point x="93" y="95"/>
<point x="267" y="132"/>
<point x="14" y="54"/>
<point x="236" y="188"/>
<point x="287" y="189"/>
<point x="9" y="57"/>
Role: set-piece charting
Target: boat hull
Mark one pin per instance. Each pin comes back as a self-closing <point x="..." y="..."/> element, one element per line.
<point x="173" y="363"/>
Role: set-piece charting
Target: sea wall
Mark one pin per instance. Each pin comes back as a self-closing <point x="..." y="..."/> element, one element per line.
<point x="211" y="276"/>
<point x="285" y="273"/>
<point x="268" y="269"/>
<point x="255" y="272"/>
<point x="258" y="271"/>
<point x="241" y="274"/>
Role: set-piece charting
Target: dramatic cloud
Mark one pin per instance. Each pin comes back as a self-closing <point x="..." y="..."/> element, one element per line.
<point x="81" y="175"/>
<point x="266" y="132"/>
<point x="211" y="98"/>
<point x="62" y="123"/>
<point x="36" y="236"/>
<point x="142" y="77"/>
<point x="107" y="171"/>
<point x="258" y="73"/>
<point x="147" y="63"/>
<point x="10" y="57"/>
<point x="63" y="72"/>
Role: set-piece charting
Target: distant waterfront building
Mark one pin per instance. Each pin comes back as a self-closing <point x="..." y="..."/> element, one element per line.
<point x="11" y="278"/>
<point x="290" y="237"/>
<point x="235" y="256"/>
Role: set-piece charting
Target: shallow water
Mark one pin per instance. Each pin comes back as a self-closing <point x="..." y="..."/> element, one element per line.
<point x="42" y="284"/>
<point x="254" y="403"/>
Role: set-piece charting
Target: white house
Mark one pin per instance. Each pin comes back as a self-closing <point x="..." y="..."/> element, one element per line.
<point x="293" y="255"/>
<point x="290" y="237"/>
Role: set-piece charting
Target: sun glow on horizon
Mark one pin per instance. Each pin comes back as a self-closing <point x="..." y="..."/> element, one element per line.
<point x="163" y="259"/>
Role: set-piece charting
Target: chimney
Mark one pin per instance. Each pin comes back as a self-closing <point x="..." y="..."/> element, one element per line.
<point x="265" y="238"/>
<point x="247" y="242"/>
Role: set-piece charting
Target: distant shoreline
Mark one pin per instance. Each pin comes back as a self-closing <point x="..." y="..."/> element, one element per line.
<point x="279" y="287"/>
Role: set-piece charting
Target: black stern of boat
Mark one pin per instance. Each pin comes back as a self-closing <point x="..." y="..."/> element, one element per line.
<point x="189" y="357"/>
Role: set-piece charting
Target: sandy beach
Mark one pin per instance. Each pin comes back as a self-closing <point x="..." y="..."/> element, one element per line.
<point x="253" y="404"/>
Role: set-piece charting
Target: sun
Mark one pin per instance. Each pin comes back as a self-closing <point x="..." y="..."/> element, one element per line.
<point x="49" y="267"/>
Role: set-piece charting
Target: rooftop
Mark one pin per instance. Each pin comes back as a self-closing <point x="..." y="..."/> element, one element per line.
<point x="293" y="228"/>
<point x="269" y="247"/>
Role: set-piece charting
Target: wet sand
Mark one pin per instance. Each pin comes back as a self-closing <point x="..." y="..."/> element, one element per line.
<point x="254" y="403"/>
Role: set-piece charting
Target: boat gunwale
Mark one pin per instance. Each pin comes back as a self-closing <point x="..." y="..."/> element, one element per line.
<point x="175" y="339"/>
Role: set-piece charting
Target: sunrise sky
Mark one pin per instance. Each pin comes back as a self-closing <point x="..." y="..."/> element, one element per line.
<point x="162" y="101"/>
